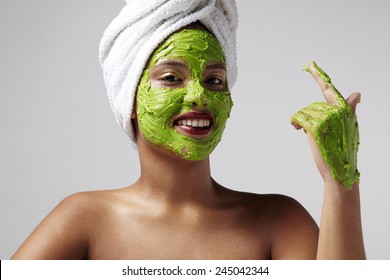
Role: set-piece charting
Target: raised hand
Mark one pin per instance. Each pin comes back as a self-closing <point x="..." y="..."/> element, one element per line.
<point x="332" y="130"/>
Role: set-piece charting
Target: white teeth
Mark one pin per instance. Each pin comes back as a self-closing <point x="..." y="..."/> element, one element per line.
<point x="194" y="122"/>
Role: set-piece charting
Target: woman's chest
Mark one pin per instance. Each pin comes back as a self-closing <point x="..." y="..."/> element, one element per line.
<point x="170" y="239"/>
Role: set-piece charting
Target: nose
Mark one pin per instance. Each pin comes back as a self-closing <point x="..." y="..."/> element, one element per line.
<point x="196" y="95"/>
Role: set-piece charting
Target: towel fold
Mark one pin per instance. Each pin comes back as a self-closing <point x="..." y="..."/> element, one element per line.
<point x="138" y="30"/>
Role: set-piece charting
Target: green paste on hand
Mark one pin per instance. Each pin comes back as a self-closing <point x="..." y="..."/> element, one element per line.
<point x="335" y="130"/>
<point x="156" y="107"/>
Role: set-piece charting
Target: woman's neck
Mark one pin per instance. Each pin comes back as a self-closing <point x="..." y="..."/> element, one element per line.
<point x="172" y="179"/>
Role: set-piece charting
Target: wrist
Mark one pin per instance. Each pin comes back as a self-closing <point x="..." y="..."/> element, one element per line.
<point x="337" y="192"/>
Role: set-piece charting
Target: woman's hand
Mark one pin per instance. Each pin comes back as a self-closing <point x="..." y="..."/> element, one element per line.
<point x="333" y="134"/>
<point x="332" y="131"/>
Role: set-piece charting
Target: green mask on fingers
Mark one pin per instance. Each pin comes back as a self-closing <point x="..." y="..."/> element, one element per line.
<point x="336" y="131"/>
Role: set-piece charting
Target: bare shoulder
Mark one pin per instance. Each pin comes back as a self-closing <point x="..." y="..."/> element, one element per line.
<point x="87" y="202"/>
<point x="282" y="206"/>
<point x="271" y="205"/>
<point x="83" y="206"/>
<point x="65" y="233"/>
<point x="292" y="232"/>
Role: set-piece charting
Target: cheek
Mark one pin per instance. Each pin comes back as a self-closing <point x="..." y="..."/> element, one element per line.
<point x="222" y="105"/>
<point x="160" y="105"/>
<point x="167" y="103"/>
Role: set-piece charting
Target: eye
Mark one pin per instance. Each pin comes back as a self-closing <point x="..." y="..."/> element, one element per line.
<point x="215" y="83"/>
<point x="171" y="79"/>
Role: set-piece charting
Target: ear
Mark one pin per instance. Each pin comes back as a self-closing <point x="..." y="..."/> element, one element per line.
<point x="133" y="115"/>
<point x="134" y="126"/>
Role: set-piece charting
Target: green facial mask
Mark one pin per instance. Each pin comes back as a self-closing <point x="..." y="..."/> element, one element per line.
<point x="335" y="130"/>
<point x="157" y="107"/>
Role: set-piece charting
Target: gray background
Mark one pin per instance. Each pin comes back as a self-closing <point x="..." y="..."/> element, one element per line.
<point x="58" y="134"/>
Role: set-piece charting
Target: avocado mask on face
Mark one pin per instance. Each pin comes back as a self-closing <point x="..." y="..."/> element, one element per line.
<point x="157" y="107"/>
<point x="335" y="130"/>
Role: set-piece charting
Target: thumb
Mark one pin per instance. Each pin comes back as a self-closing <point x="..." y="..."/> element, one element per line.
<point x="353" y="100"/>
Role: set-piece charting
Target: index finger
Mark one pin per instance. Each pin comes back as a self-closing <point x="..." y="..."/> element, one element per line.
<point x="331" y="94"/>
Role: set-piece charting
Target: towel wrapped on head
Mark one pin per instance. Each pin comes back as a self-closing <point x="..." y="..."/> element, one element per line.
<point x="138" y="30"/>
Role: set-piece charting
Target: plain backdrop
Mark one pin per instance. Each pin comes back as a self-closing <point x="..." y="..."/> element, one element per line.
<point x="58" y="135"/>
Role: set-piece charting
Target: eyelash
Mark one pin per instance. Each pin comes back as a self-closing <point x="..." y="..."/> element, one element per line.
<point x="220" y="81"/>
<point x="168" y="79"/>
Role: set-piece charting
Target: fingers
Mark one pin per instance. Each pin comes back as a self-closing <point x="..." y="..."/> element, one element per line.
<point x="296" y="125"/>
<point x="312" y="116"/>
<point x="324" y="86"/>
<point x="353" y="100"/>
<point x="301" y="120"/>
<point x="331" y="94"/>
<point x="306" y="118"/>
<point x="315" y="112"/>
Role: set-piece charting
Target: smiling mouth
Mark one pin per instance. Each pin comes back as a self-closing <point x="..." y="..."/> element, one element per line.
<point x="194" y="124"/>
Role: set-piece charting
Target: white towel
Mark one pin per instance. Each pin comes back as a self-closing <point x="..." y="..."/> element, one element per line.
<point x="141" y="26"/>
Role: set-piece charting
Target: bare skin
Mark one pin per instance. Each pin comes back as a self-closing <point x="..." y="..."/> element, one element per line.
<point x="177" y="211"/>
<point x="166" y="216"/>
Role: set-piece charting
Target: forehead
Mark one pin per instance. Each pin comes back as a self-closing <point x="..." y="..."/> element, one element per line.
<point x="196" y="47"/>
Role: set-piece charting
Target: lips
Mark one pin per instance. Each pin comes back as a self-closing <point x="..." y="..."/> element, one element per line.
<point x="194" y="124"/>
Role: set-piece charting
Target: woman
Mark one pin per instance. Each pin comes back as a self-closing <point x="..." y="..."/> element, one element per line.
<point x="179" y="59"/>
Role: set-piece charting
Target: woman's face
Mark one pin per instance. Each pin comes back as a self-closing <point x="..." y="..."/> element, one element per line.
<point x="183" y="101"/>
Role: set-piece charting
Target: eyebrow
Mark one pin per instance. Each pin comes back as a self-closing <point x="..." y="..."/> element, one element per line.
<point x="216" y="66"/>
<point x="180" y="64"/>
<point x="171" y="63"/>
